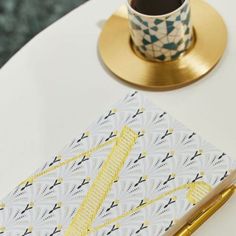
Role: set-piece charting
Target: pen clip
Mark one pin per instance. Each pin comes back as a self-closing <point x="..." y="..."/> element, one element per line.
<point x="206" y="212"/>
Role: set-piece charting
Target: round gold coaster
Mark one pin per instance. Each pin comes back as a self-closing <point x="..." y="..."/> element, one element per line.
<point x="119" y="55"/>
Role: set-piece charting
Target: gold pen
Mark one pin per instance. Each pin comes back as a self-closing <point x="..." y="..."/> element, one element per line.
<point x="206" y="212"/>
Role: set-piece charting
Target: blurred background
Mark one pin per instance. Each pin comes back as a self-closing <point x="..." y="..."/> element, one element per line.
<point x="21" y="20"/>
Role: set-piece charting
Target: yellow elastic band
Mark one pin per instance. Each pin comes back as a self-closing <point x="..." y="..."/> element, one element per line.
<point x="202" y="187"/>
<point x="83" y="219"/>
<point x="48" y="170"/>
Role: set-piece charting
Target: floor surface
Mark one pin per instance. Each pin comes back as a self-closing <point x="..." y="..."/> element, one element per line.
<point x="20" y="20"/>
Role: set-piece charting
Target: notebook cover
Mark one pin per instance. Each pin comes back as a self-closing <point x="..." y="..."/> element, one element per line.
<point x="135" y="171"/>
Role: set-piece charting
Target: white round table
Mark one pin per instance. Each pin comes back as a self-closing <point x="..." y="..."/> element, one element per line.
<point x="56" y="85"/>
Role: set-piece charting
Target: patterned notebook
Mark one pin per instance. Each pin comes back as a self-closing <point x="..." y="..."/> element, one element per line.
<point x="134" y="171"/>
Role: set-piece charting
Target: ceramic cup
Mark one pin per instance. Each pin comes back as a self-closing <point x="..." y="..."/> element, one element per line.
<point x="161" y="37"/>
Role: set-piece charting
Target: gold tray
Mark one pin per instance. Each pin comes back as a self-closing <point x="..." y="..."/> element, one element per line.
<point x="119" y="55"/>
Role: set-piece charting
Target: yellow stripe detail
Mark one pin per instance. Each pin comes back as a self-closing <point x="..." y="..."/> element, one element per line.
<point x="191" y="186"/>
<point x="82" y="221"/>
<point x="48" y="170"/>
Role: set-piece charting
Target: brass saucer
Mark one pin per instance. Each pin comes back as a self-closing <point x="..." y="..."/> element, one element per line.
<point x="119" y="55"/>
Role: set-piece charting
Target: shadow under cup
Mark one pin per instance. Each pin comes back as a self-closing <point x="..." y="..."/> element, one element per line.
<point x="161" y="37"/>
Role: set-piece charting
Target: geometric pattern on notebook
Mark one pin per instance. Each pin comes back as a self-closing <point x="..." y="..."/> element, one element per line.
<point x="165" y="156"/>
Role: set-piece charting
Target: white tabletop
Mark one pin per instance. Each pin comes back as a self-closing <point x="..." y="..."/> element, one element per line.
<point x="55" y="86"/>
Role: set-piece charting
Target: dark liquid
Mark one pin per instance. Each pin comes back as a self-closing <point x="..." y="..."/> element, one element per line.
<point x="156" y="7"/>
